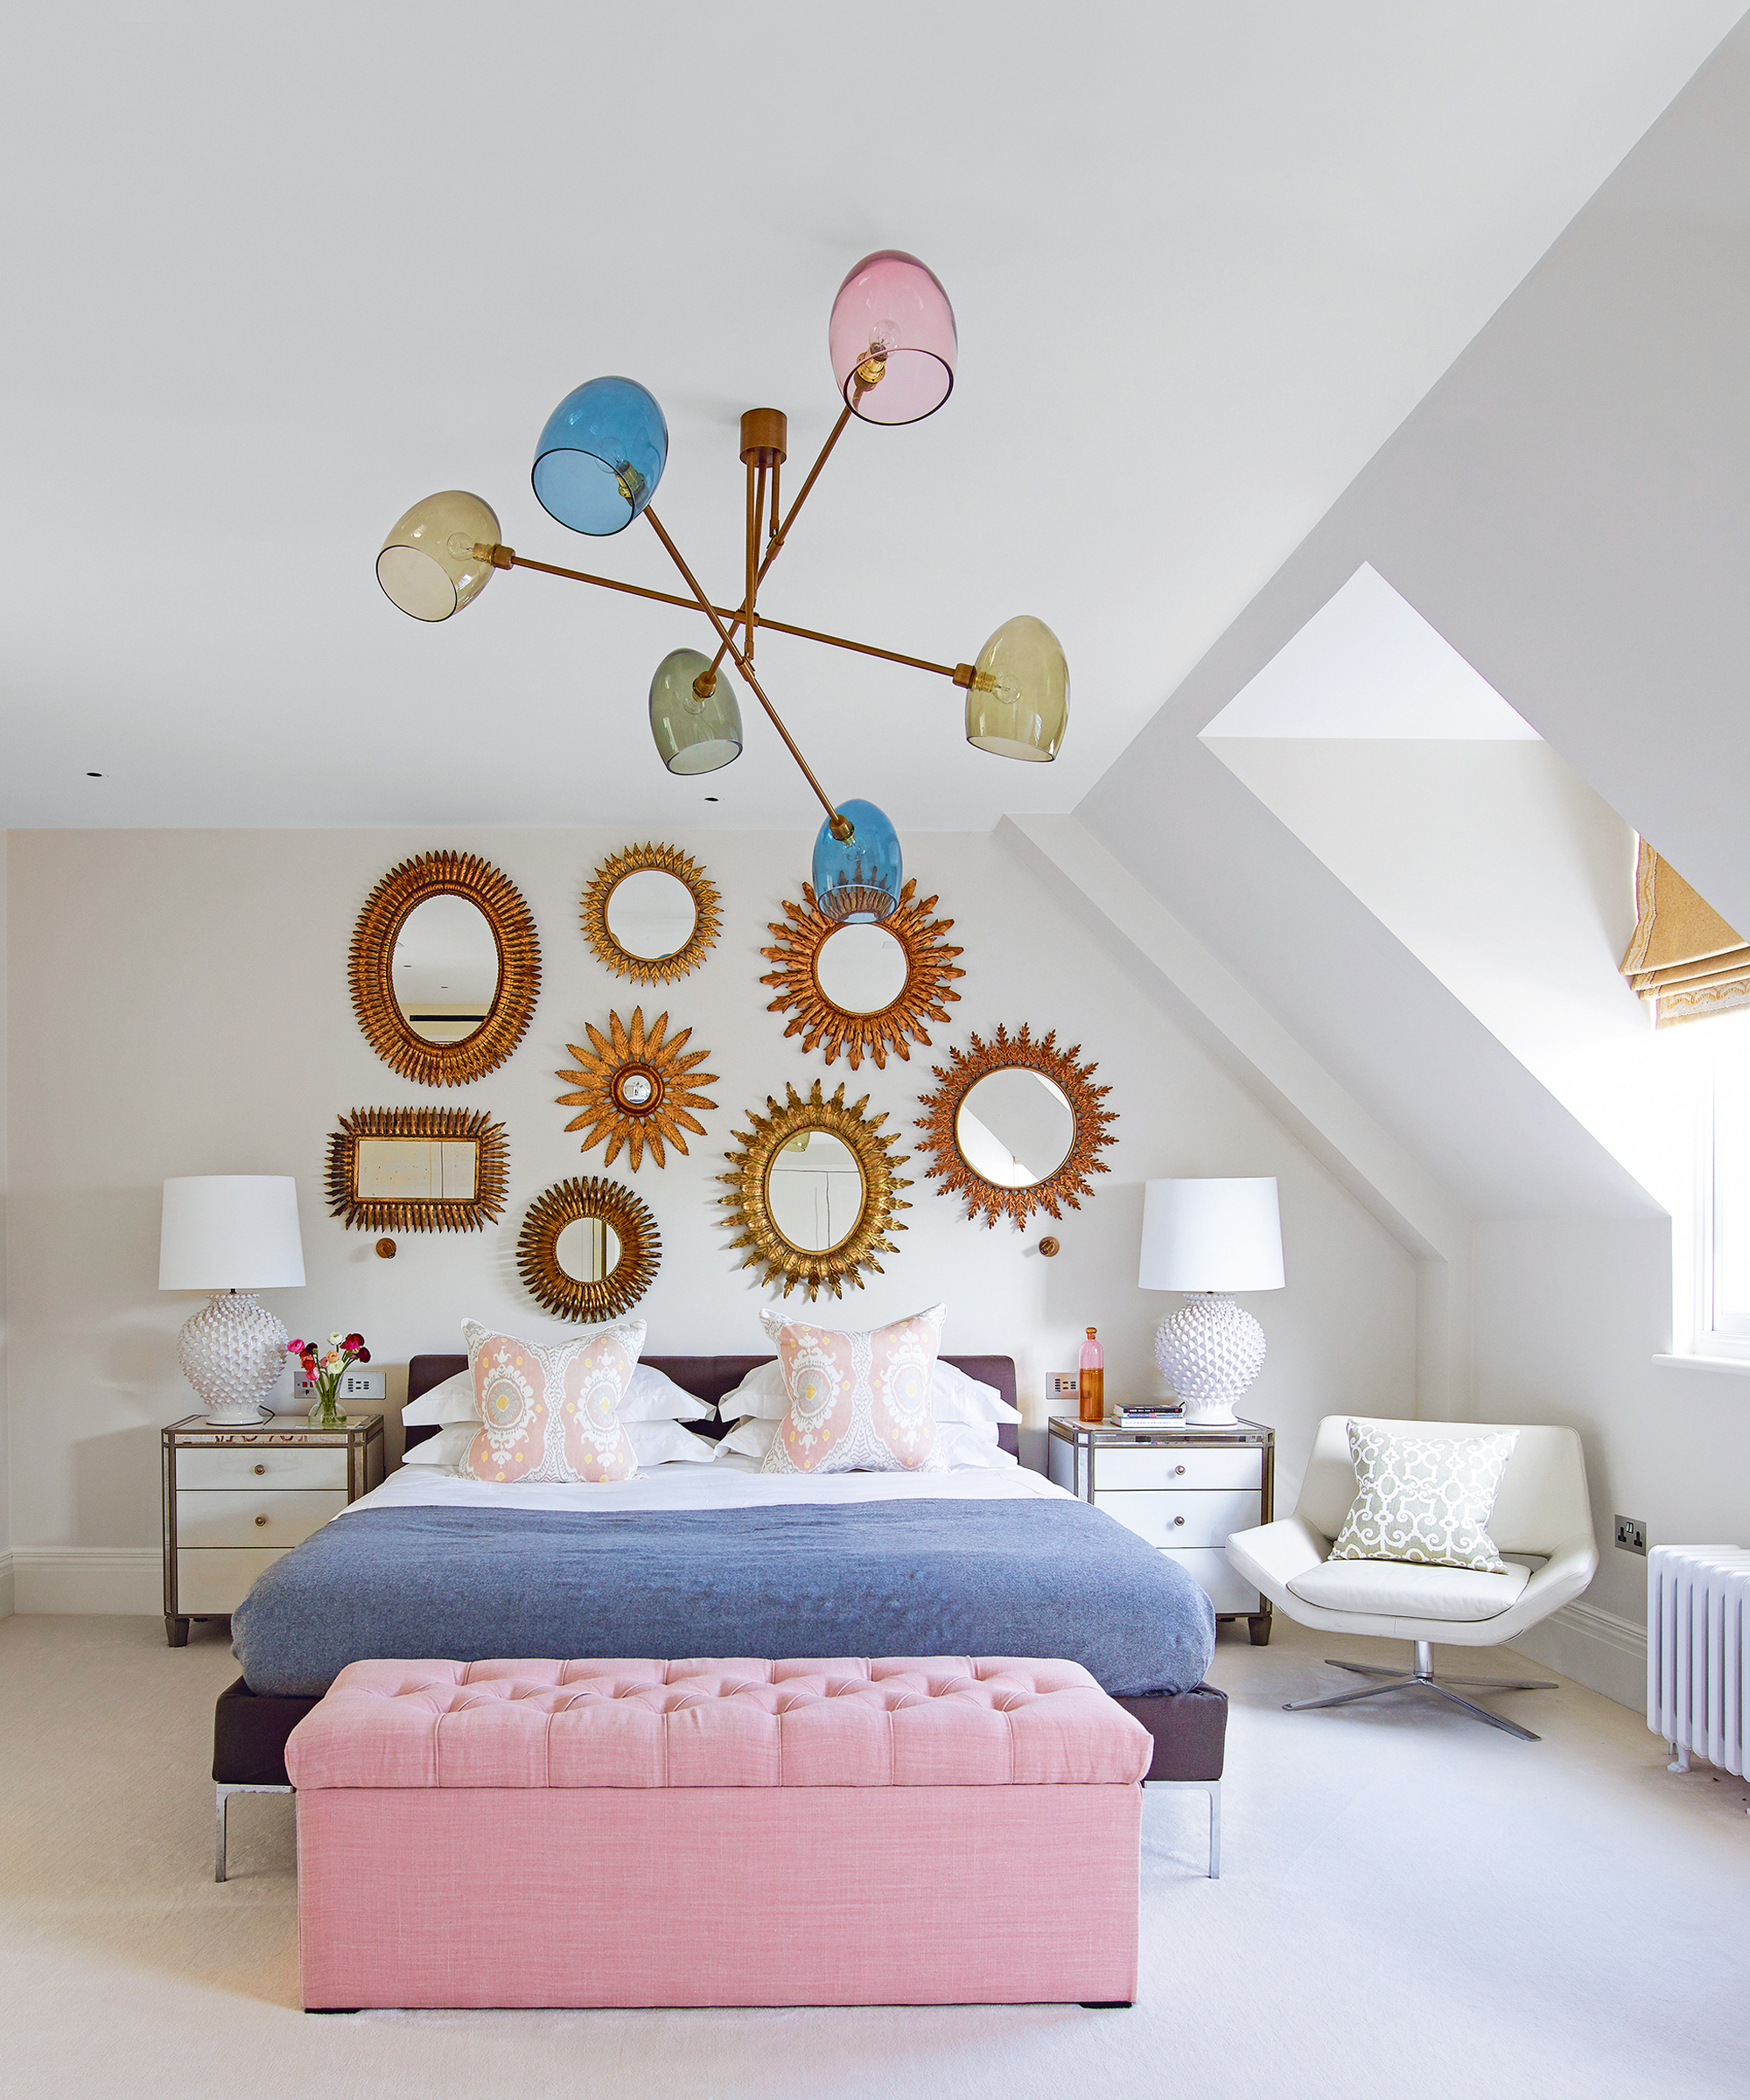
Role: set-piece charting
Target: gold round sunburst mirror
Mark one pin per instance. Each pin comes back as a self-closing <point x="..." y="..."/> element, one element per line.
<point x="588" y="1250"/>
<point x="636" y="1088"/>
<point x="865" y="990"/>
<point x="1015" y="1125"/>
<point x="813" y="1192"/>
<point x="651" y="914"/>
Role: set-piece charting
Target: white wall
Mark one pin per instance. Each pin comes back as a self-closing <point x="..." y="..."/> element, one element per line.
<point x="5" y="1496"/>
<point x="179" y="1006"/>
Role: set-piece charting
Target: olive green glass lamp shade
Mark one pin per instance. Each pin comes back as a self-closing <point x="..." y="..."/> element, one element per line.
<point x="1018" y="704"/>
<point x="431" y="563"/>
<point x="694" y="734"/>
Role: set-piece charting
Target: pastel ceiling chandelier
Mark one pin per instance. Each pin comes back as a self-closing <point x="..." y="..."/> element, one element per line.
<point x="892" y="343"/>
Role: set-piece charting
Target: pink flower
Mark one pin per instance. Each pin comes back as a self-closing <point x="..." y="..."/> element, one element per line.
<point x="295" y="1348"/>
<point x="353" y="1341"/>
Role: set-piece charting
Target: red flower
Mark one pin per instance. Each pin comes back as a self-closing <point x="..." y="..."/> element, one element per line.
<point x="353" y="1341"/>
<point x="364" y="1355"/>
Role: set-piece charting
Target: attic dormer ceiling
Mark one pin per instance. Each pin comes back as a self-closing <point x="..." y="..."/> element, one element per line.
<point x="267" y="271"/>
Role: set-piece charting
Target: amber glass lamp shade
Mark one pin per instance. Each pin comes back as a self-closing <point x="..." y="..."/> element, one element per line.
<point x="1018" y="704"/>
<point x="428" y="565"/>
<point x="892" y="339"/>
<point x="693" y="735"/>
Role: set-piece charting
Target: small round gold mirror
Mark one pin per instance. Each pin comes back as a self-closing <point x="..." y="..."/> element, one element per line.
<point x="1015" y="1127"/>
<point x="865" y="990"/>
<point x="651" y="914"/>
<point x="588" y="1249"/>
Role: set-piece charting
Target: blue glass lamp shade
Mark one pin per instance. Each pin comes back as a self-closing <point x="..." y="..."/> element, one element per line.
<point x="601" y="456"/>
<point x="693" y="735"/>
<point x="856" y="881"/>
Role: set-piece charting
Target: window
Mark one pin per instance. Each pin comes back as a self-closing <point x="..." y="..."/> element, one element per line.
<point x="1723" y="1208"/>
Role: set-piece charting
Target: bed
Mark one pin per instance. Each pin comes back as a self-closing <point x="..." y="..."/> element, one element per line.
<point x="719" y="1559"/>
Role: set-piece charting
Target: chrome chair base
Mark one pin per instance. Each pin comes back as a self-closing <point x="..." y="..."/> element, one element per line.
<point x="1422" y="1678"/>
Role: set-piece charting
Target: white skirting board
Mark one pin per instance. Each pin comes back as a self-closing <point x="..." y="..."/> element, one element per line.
<point x="1604" y="1652"/>
<point x="87" y="1578"/>
<point x="5" y="1586"/>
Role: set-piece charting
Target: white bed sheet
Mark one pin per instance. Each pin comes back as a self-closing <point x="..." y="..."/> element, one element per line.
<point x="734" y="1482"/>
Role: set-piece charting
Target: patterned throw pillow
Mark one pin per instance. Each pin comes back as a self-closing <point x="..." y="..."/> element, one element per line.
<point x="860" y="1401"/>
<point x="553" y="1413"/>
<point x="1425" y="1498"/>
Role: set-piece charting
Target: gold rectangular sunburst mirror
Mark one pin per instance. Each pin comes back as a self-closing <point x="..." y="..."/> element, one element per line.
<point x="417" y="1169"/>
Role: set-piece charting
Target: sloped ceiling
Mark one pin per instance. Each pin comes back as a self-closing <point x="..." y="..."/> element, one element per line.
<point x="271" y="275"/>
<point x="1570" y="508"/>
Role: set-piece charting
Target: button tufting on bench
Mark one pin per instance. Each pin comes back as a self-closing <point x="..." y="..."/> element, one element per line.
<point x="803" y="1722"/>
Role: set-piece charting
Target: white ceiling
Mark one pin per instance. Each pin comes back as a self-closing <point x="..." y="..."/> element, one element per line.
<point x="271" y="275"/>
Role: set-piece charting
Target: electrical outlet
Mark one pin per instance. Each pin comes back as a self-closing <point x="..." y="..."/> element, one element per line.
<point x="364" y="1385"/>
<point x="1631" y="1534"/>
<point x="1066" y="1385"/>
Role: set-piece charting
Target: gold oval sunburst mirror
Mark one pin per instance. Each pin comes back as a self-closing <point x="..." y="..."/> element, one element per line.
<point x="445" y="968"/>
<point x="1015" y="1125"/>
<point x="651" y="914"/>
<point x="813" y="1192"/>
<point x="588" y="1250"/>
<point x="865" y="990"/>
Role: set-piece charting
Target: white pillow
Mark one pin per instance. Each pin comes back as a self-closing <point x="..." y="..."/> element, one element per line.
<point x="964" y="1445"/>
<point x="654" y="1444"/>
<point x="953" y="1398"/>
<point x="651" y="1396"/>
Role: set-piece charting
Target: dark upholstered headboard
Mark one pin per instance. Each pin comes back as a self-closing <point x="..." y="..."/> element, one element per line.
<point x="709" y="1378"/>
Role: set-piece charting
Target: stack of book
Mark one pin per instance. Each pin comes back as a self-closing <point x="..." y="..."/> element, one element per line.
<point x="1151" y="1414"/>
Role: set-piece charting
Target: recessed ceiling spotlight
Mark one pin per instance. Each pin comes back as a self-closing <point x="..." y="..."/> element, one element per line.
<point x="710" y="798"/>
<point x="93" y="776"/>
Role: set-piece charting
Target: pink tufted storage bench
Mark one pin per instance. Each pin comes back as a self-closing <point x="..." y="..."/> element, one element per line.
<point x="942" y="1831"/>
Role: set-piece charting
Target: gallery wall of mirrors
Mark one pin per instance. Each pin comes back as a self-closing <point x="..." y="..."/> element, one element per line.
<point x="444" y="970"/>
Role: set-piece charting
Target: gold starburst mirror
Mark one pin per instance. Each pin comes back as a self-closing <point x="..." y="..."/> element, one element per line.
<point x="588" y="1249"/>
<point x="813" y="1192"/>
<point x="651" y="914"/>
<point x="865" y="990"/>
<point x="634" y="1088"/>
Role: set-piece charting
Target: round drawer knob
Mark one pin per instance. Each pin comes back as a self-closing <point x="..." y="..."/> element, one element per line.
<point x="263" y="1469"/>
<point x="1176" y="1469"/>
<point x="262" y="1520"/>
<point x="1177" y="1519"/>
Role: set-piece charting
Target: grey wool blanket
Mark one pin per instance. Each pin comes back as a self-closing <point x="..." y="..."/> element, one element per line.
<point x="939" y="1577"/>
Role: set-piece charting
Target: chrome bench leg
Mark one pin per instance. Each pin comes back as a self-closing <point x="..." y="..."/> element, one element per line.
<point x="222" y="1792"/>
<point x="1212" y="1788"/>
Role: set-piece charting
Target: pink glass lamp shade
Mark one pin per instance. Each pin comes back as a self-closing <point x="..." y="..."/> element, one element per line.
<point x="892" y="339"/>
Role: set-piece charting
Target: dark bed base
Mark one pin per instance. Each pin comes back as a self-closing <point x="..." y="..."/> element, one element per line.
<point x="249" y="1729"/>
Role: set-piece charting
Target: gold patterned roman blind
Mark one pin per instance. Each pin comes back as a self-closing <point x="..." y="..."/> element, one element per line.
<point x="1684" y="960"/>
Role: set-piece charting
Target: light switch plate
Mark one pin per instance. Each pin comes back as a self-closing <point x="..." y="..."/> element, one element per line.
<point x="1066" y="1385"/>
<point x="364" y="1385"/>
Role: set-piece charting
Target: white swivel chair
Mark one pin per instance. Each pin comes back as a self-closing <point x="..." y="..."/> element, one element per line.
<point x="1542" y="1523"/>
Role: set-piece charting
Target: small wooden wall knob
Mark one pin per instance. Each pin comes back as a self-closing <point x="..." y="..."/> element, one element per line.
<point x="386" y="1248"/>
<point x="1050" y="1245"/>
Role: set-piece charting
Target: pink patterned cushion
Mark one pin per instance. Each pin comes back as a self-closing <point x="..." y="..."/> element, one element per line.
<point x="900" y="1721"/>
<point x="860" y="1401"/>
<point x="552" y="1413"/>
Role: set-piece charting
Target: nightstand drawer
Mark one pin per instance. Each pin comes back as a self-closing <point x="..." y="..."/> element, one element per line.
<point x="200" y="1468"/>
<point x="217" y="1579"/>
<point x="264" y="1519"/>
<point x="1207" y="1519"/>
<point x="1177" y="1466"/>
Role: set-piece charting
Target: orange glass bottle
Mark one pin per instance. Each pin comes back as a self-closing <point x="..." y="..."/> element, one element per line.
<point x="1093" y="1381"/>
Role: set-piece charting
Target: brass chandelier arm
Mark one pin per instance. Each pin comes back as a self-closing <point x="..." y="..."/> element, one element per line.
<point x="840" y="827"/>
<point x="508" y="558"/>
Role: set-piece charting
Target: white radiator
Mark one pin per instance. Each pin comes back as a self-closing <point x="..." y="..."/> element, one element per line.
<point x="1698" y="1628"/>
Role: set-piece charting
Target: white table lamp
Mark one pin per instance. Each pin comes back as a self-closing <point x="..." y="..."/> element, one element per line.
<point x="1210" y="1238"/>
<point x="230" y="1234"/>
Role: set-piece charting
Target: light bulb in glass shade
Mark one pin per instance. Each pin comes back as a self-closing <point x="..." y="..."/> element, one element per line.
<point x="891" y="339"/>
<point x="1018" y="704"/>
<point x="693" y="734"/>
<point x="600" y="456"/>
<point x="856" y="880"/>
<point x="431" y="565"/>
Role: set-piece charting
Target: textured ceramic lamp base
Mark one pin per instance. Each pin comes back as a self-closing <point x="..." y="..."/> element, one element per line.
<point x="1209" y="1352"/>
<point x="232" y="1353"/>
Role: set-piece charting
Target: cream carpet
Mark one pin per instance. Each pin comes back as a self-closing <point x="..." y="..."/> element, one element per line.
<point x="1412" y="1905"/>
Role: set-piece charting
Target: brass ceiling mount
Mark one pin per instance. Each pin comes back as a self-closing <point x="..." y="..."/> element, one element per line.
<point x="635" y="1088"/>
<point x="765" y="433"/>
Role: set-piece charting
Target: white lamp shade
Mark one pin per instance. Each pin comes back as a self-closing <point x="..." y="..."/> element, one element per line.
<point x="1211" y="1236"/>
<point x="230" y="1232"/>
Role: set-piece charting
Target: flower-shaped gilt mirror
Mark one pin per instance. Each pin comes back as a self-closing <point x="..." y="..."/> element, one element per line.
<point x="634" y="1088"/>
